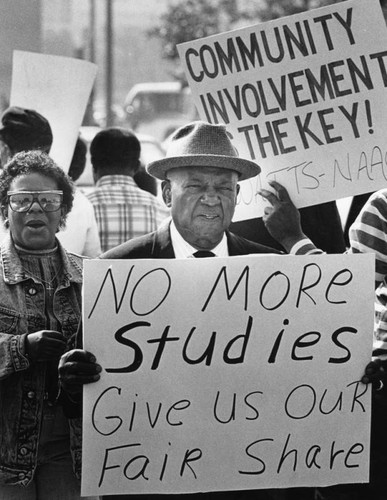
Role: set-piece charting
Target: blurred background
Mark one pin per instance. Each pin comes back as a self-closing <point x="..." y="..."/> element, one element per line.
<point x="133" y="42"/>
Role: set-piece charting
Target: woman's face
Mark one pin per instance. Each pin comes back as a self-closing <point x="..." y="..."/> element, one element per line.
<point x="34" y="229"/>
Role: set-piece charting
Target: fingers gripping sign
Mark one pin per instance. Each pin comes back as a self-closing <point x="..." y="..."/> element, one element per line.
<point x="282" y="218"/>
<point x="76" y="368"/>
<point x="375" y="373"/>
<point x="45" y="345"/>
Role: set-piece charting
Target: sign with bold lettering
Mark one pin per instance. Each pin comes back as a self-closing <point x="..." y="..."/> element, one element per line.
<point x="304" y="96"/>
<point x="227" y="373"/>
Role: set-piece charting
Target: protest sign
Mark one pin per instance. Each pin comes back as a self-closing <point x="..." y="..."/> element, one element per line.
<point x="58" y="88"/>
<point x="227" y="373"/>
<point x="304" y="96"/>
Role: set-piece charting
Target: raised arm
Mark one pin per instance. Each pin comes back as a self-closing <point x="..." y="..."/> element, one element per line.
<point x="282" y="219"/>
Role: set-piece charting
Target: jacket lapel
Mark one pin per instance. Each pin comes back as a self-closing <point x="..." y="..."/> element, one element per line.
<point x="162" y="246"/>
<point x="234" y="246"/>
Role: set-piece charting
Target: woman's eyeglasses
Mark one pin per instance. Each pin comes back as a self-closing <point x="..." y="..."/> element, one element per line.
<point x="21" y="201"/>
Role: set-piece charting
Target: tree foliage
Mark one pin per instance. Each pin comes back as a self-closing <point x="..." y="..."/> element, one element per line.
<point x="186" y="20"/>
<point x="281" y="8"/>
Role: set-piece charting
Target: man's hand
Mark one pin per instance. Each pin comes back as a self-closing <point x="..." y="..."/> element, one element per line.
<point x="76" y="368"/>
<point x="282" y="219"/>
<point x="45" y="345"/>
<point x="375" y="373"/>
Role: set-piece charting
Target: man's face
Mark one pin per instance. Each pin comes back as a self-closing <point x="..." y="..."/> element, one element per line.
<point x="202" y="202"/>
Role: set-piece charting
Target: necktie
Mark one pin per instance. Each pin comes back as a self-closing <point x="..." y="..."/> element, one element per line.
<point x="200" y="254"/>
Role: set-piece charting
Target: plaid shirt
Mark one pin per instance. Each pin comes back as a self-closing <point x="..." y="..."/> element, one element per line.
<point x="123" y="210"/>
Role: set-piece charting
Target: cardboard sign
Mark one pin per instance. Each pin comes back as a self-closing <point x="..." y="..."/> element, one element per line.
<point x="58" y="88"/>
<point x="303" y="96"/>
<point x="227" y="373"/>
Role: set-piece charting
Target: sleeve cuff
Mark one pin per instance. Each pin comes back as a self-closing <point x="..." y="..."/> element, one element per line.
<point x="302" y="247"/>
<point x="18" y="351"/>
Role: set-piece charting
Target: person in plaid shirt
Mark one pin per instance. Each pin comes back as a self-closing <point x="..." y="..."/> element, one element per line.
<point x="123" y="210"/>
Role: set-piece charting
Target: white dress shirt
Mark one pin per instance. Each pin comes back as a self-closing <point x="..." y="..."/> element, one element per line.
<point x="81" y="232"/>
<point x="184" y="250"/>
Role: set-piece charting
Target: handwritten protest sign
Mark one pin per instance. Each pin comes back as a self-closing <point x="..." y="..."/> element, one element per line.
<point x="303" y="96"/>
<point x="224" y="374"/>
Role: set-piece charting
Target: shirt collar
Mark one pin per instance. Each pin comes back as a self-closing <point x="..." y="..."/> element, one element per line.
<point x="116" y="179"/>
<point x="183" y="250"/>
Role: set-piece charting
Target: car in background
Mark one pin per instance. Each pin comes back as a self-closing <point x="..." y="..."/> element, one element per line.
<point x="151" y="150"/>
<point x="159" y="108"/>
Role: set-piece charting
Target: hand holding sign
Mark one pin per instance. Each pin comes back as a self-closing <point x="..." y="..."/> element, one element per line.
<point x="76" y="368"/>
<point x="376" y="374"/>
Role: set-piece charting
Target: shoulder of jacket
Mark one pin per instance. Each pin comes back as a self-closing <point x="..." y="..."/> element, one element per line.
<point x="134" y="248"/>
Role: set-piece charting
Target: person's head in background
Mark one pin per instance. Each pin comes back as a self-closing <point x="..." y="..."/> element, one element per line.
<point x="78" y="161"/>
<point x="23" y="130"/>
<point x="115" y="151"/>
<point x="145" y="181"/>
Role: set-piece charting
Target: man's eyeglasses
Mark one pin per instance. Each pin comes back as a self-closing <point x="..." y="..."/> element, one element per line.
<point x="21" y="201"/>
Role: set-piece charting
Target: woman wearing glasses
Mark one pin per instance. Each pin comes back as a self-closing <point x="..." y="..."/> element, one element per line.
<point x="40" y="307"/>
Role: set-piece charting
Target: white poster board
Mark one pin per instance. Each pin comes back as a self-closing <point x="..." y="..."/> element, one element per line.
<point x="227" y="374"/>
<point x="58" y="88"/>
<point x="304" y="96"/>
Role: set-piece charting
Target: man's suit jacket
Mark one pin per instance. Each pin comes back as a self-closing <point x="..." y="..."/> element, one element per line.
<point x="158" y="245"/>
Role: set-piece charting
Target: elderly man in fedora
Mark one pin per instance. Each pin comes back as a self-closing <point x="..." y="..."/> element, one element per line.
<point x="200" y="175"/>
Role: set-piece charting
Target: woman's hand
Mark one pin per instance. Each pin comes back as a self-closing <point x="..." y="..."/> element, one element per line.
<point x="76" y="368"/>
<point x="45" y="345"/>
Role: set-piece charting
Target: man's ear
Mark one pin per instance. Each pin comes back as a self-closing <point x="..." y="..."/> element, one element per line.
<point x="95" y="173"/>
<point x="137" y="167"/>
<point x="167" y="192"/>
<point x="4" y="212"/>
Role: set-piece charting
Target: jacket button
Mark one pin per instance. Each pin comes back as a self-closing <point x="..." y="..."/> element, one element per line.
<point x="23" y="452"/>
<point x="21" y="475"/>
<point x="32" y="291"/>
<point x="30" y="394"/>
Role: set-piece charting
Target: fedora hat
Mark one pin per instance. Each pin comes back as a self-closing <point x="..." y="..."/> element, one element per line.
<point x="201" y="144"/>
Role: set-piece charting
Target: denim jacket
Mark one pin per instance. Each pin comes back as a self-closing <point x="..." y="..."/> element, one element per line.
<point x="22" y="384"/>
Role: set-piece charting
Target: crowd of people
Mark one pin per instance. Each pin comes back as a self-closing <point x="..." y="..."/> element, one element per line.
<point x="43" y="366"/>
